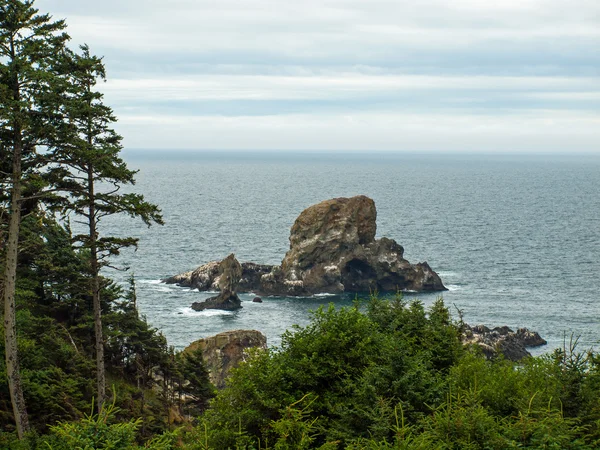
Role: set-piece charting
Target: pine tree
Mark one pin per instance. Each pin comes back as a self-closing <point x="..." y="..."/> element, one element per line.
<point x="195" y="386"/>
<point x="92" y="172"/>
<point x="29" y="43"/>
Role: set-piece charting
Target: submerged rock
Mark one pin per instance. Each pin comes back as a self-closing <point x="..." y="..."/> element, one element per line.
<point x="502" y="340"/>
<point x="332" y="250"/>
<point x="227" y="350"/>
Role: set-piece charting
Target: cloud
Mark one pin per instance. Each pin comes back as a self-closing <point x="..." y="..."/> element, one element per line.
<point x="311" y="32"/>
<point x="327" y="86"/>
<point x="340" y="74"/>
<point x="546" y="131"/>
<point x="346" y="93"/>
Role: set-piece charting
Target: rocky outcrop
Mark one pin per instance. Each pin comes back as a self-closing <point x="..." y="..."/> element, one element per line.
<point x="332" y="250"/>
<point x="229" y="274"/>
<point x="206" y="277"/>
<point x="227" y="350"/>
<point x="502" y="340"/>
<point x="251" y="276"/>
<point x="225" y="301"/>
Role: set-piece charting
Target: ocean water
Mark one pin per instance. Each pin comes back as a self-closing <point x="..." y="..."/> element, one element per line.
<point x="516" y="239"/>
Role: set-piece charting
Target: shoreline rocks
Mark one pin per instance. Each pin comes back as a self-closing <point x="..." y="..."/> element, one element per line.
<point x="224" y="301"/>
<point x="206" y="276"/>
<point x="502" y="340"/>
<point x="226" y="350"/>
<point x="332" y="250"/>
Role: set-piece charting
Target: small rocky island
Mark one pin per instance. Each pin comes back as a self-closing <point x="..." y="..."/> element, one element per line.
<point x="332" y="250"/>
<point x="226" y="350"/>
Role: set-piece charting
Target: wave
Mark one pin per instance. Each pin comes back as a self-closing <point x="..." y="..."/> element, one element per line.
<point x="187" y="311"/>
<point x="149" y="282"/>
<point x="162" y="289"/>
<point x="454" y="287"/>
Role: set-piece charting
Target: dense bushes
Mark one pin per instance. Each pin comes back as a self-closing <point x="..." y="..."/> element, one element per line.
<point x="384" y="375"/>
<point x="352" y="368"/>
<point x="393" y="375"/>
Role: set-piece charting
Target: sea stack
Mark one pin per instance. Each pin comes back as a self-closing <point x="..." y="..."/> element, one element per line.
<point x="332" y="250"/>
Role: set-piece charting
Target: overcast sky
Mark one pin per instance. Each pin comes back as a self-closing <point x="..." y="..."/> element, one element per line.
<point x="421" y="75"/>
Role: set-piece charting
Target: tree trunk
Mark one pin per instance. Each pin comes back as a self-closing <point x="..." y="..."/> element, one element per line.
<point x="100" y="370"/>
<point x="95" y="267"/>
<point x="96" y="305"/>
<point x="10" y="278"/>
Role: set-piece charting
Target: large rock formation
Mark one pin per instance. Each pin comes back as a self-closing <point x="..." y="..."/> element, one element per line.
<point x="227" y="350"/>
<point x="229" y="274"/>
<point x="502" y="340"/>
<point x="332" y="250"/>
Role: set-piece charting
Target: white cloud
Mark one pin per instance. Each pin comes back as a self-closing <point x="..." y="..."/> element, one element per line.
<point x="316" y="28"/>
<point x="573" y="96"/>
<point x="332" y="86"/>
<point x="548" y="131"/>
<point x="432" y="74"/>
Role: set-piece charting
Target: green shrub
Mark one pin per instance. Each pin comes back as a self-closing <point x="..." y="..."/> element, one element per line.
<point x="99" y="431"/>
<point x="355" y="365"/>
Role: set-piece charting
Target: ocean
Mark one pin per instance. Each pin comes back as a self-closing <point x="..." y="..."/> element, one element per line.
<point x="516" y="239"/>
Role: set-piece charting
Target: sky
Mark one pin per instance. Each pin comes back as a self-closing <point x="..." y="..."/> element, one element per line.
<point x="387" y="75"/>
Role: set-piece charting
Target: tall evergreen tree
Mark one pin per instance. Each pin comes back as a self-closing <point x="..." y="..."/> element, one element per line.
<point x="92" y="172"/>
<point x="29" y="43"/>
<point x="195" y="382"/>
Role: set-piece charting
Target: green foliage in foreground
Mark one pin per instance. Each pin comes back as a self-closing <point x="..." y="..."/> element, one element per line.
<point x="94" y="431"/>
<point x="99" y="432"/>
<point x="354" y="367"/>
<point x="388" y="375"/>
<point x="56" y="343"/>
<point x="395" y="376"/>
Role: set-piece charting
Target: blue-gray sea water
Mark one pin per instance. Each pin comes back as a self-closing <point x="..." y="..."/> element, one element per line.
<point x="516" y="239"/>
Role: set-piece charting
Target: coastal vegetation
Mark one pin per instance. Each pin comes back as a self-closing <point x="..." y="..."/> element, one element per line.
<point x="81" y="368"/>
<point x="381" y="374"/>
